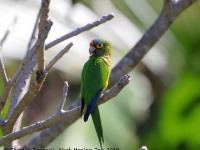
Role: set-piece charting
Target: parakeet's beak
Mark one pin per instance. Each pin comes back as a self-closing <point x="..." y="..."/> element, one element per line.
<point x="92" y="48"/>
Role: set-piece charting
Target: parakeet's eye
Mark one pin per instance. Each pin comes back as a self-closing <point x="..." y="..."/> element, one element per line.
<point x="99" y="45"/>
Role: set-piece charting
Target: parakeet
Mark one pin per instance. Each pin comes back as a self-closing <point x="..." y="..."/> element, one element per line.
<point x="94" y="80"/>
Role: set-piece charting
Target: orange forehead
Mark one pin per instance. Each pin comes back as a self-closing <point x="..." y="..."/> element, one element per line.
<point x="91" y="43"/>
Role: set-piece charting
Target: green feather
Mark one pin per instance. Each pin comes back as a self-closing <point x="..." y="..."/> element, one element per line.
<point x="97" y="124"/>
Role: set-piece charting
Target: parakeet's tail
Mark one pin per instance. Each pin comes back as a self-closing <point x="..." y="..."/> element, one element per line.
<point x="97" y="124"/>
<point x="82" y="105"/>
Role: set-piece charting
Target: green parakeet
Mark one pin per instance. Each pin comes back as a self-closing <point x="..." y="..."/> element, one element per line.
<point x="94" y="81"/>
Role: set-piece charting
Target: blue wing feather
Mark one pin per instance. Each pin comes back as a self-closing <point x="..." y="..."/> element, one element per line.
<point x="92" y="104"/>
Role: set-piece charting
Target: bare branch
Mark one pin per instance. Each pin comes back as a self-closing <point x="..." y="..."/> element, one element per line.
<point x="64" y="97"/>
<point x="80" y="30"/>
<point x="58" y="56"/>
<point x="169" y="13"/>
<point x="70" y="115"/>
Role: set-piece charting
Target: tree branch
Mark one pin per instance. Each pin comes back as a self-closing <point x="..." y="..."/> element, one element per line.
<point x="58" y="56"/>
<point x="87" y="27"/>
<point x="170" y="12"/>
<point x="69" y="115"/>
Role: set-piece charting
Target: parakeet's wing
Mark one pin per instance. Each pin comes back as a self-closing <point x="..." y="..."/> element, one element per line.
<point x="83" y="82"/>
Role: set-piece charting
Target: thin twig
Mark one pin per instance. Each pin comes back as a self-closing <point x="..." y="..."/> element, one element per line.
<point x="43" y="18"/>
<point x="64" y="97"/>
<point x="70" y="115"/>
<point x="58" y="56"/>
<point x="3" y="72"/>
<point x="87" y="27"/>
